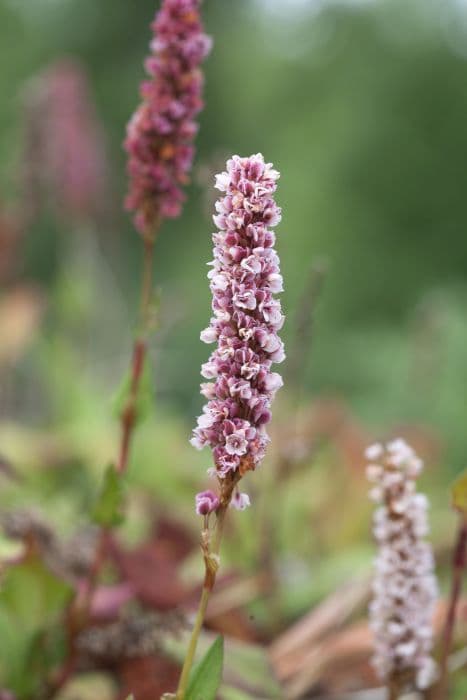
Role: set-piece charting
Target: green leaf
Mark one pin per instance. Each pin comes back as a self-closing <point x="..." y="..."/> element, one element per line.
<point x="32" y="593"/>
<point x="144" y="400"/>
<point x="459" y="494"/>
<point x="108" y="510"/>
<point x="207" y="676"/>
<point x="31" y="600"/>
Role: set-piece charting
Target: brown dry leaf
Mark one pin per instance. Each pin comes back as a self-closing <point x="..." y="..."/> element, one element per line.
<point x="324" y="619"/>
<point x="174" y="537"/>
<point x="339" y="662"/>
<point x="148" y="677"/>
<point x="152" y="568"/>
<point x="235" y="624"/>
<point x="235" y="593"/>
<point x="21" y="311"/>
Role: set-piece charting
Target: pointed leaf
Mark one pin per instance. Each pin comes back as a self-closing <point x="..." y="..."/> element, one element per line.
<point x="108" y="510"/>
<point x="459" y="494"/>
<point x="207" y="676"/>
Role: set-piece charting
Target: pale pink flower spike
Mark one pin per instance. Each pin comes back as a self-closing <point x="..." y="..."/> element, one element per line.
<point x="404" y="585"/>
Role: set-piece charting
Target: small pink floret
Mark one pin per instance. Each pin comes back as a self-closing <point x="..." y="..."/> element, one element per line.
<point x="240" y="501"/>
<point x="206" y="502"/>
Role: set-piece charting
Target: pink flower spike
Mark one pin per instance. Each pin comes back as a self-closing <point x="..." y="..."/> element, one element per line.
<point x="246" y="318"/>
<point x="206" y="502"/>
<point x="160" y="134"/>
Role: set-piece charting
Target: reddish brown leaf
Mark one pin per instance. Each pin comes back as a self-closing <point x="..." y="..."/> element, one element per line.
<point x="148" y="677"/>
<point x="152" y="568"/>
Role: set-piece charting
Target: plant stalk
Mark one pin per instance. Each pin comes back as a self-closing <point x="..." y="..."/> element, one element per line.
<point x="128" y="417"/>
<point x="211" y="565"/>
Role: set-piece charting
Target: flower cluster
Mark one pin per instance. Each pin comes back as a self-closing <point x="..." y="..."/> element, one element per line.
<point x="404" y="587"/>
<point x="243" y="280"/>
<point x="161" y="131"/>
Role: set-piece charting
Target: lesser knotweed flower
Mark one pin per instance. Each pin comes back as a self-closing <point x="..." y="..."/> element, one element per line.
<point x="244" y="279"/>
<point x="404" y="586"/>
<point x="240" y="501"/>
<point x="206" y="502"/>
<point x="161" y="131"/>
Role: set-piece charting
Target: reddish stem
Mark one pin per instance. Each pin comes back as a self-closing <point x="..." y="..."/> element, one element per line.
<point x="78" y="616"/>
<point x="459" y="563"/>
<point x="128" y="417"/>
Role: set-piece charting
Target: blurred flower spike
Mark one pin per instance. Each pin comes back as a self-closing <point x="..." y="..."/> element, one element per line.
<point x="404" y="585"/>
<point x="65" y="165"/>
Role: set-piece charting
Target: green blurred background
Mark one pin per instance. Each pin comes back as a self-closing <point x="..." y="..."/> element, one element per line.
<point x="363" y="108"/>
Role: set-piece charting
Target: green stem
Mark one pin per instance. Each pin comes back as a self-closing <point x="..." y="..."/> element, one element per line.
<point x="191" y="651"/>
<point x="209" y="581"/>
